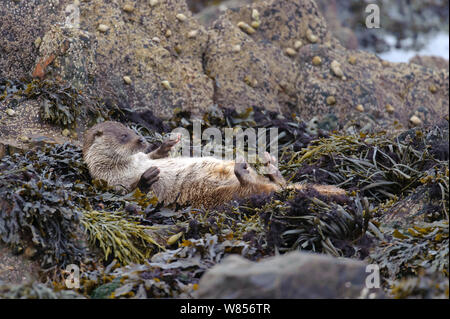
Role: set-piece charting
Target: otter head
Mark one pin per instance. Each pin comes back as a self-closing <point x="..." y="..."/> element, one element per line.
<point x="113" y="142"/>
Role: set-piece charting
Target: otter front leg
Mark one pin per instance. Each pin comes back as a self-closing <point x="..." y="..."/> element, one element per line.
<point x="147" y="179"/>
<point x="164" y="149"/>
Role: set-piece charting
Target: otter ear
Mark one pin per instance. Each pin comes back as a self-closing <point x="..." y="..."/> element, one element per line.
<point x="98" y="133"/>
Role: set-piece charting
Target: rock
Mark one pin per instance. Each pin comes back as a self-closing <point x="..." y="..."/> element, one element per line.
<point x="371" y="83"/>
<point x="433" y="62"/>
<point x="403" y="20"/>
<point x="207" y="14"/>
<point x="95" y="61"/>
<point x="262" y="55"/>
<point x="294" y="275"/>
<point x="302" y="82"/>
<point x="21" y="24"/>
<point x="177" y="63"/>
<point x="16" y="269"/>
<point x="346" y="36"/>
<point x="27" y="122"/>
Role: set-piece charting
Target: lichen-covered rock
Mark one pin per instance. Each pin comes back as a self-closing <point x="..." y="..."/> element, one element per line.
<point x="293" y="276"/>
<point x="150" y="45"/>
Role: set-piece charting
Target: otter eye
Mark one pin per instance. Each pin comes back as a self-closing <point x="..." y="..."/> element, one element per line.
<point x="124" y="137"/>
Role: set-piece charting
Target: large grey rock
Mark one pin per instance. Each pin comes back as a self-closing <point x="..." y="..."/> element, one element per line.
<point x="293" y="275"/>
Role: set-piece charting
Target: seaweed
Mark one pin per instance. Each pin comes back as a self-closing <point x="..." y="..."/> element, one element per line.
<point x="36" y="290"/>
<point x="377" y="165"/>
<point x="60" y="104"/>
<point x="120" y="235"/>
<point x="48" y="201"/>
<point x="395" y="213"/>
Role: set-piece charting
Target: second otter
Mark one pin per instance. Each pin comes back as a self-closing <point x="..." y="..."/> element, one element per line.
<point x="119" y="156"/>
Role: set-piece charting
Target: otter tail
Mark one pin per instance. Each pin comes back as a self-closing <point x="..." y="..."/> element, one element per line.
<point x="326" y="190"/>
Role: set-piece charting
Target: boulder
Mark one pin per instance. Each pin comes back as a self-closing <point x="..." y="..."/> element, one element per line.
<point x="289" y="62"/>
<point x="22" y="26"/>
<point x="294" y="275"/>
<point x="135" y="54"/>
<point x="253" y="68"/>
<point x="389" y="93"/>
<point x="25" y="128"/>
<point x="277" y="55"/>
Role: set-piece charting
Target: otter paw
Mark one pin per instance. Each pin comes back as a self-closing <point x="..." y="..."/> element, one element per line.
<point x="269" y="159"/>
<point x="241" y="170"/>
<point x="149" y="177"/>
<point x="271" y="170"/>
<point x="165" y="148"/>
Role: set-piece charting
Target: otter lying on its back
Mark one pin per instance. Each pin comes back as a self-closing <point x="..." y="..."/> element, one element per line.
<point x="119" y="156"/>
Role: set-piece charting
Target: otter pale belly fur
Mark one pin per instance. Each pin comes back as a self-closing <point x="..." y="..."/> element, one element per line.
<point x="119" y="156"/>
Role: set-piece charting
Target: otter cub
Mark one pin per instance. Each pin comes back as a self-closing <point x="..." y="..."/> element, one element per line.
<point x="119" y="156"/>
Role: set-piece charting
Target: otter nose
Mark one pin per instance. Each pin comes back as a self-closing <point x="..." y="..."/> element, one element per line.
<point x="141" y="140"/>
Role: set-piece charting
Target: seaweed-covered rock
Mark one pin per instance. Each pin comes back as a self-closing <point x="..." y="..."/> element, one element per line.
<point x="37" y="112"/>
<point x="136" y="54"/>
<point x="294" y="275"/>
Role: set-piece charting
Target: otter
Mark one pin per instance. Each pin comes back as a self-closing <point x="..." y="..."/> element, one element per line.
<point x="123" y="159"/>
